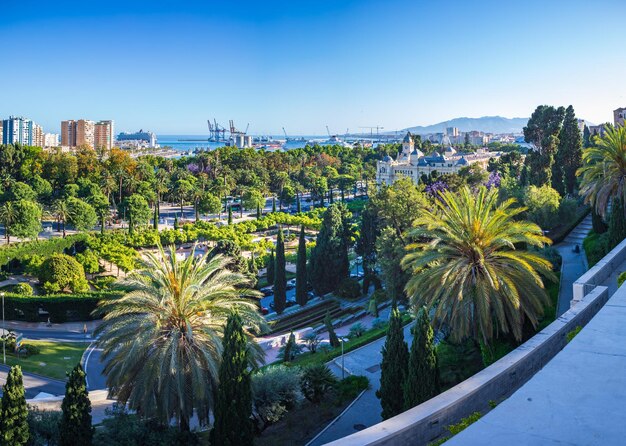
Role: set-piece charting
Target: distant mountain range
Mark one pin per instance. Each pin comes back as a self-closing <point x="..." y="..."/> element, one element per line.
<point x="487" y="124"/>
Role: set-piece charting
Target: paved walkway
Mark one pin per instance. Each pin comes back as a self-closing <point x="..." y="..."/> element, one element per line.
<point x="574" y="264"/>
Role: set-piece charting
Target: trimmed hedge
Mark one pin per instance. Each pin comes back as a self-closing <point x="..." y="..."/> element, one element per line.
<point x="43" y="248"/>
<point x="563" y="231"/>
<point x="60" y="307"/>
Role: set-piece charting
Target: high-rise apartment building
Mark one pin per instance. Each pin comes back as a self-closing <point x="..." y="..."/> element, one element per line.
<point x="77" y="133"/>
<point x="20" y="130"/>
<point x="50" y="140"/>
<point x="104" y="135"/>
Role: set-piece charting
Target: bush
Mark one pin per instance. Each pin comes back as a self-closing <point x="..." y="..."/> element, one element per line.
<point x="317" y="380"/>
<point x="311" y="341"/>
<point x="351" y="386"/>
<point x="572" y="334"/>
<point x="89" y="260"/>
<point x="567" y="210"/>
<point x="275" y="390"/>
<point x="378" y="323"/>
<point x="23" y="289"/>
<point x="349" y="289"/>
<point x="596" y="246"/>
<point x="43" y="426"/>
<point x="621" y="279"/>
<point x="543" y="205"/>
<point x="64" y="272"/>
<point x="29" y="350"/>
<point x="356" y="331"/>
<point x="103" y="282"/>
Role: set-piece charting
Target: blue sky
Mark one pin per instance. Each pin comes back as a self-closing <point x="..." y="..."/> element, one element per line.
<point x="168" y="66"/>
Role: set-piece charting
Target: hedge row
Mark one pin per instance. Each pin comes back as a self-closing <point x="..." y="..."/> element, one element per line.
<point x="60" y="307"/>
<point x="44" y="248"/>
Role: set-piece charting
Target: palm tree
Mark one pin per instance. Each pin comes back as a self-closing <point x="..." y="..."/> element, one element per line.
<point x="604" y="169"/>
<point x="467" y="266"/>
<point x="8" y="214"/>
<point x="62" y="212"/>
<point x="163" y="339"/>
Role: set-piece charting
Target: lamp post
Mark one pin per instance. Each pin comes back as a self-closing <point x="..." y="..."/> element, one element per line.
<point x="4" y="333"/>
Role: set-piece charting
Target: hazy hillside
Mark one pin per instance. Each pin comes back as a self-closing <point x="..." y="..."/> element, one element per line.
<point x="488" y="124"/>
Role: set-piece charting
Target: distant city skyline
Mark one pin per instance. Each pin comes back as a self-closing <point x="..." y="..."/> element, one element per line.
<point x="305" y="65"/>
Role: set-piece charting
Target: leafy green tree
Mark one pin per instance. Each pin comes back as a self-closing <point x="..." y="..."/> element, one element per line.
<point x="301" y="274"/>
<point x="232" y="251"/>
<point x="61" y="211"/>
<point x="61" y="272"/>
<point x="100" y="205"/>
<point x="422" y="379"/>
<point x="27" y="223"/>
<point x="271" y="268"/>
<point x="233" y="403"/>
<point x="182" y="191"/>
<point x="542" y="131"/>
<point x="390" y="251"/>
<point x="617" y="223"/>
<point x="465" y="265"/>
<point x="82" y="215"/>
<point x="161" y="341"/>
<point x="75" y="426"/>
<point x="14" y="411"/>
<point x="329" y="263"/>
<point x="393" y="368"/>
<point x="253" y="199"/>
<point x="604" y="170"/>
<point x="542" y="205"/>
<point x="280" y="277"/>
<point x="569" y="154"/>
<point x="138" y="211"/>
<point x="8" y="216"/>
<point x="19" y="191"/>
<point x="209" y="204"/>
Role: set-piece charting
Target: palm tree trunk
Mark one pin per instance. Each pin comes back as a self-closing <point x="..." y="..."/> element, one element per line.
<point x="63" y="228"/>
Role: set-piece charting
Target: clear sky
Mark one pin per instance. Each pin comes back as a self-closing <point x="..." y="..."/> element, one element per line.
<point x="167" y="66"/>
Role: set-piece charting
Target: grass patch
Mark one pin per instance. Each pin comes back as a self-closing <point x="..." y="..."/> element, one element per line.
<point x="51" y="360"/>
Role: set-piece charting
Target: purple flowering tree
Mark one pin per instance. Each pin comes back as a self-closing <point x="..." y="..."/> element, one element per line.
<point x="494" y="180"/>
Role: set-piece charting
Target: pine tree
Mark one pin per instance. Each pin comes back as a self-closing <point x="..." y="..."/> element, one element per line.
<point x="14" y="412"/>
<point x="271" y="265"/>
<point x="233" y="403"/>
<point x="332" y="336"/>
<point x="617" y="223"/>
<point x="301" y="275"/>
<point x="280" y="277"/>
<point x="393" y="368"/>
<point x="75" y="427"/>
<point x="569" y="154"/>
<point x="422" y="379"/>
<point x="230" y="215"/>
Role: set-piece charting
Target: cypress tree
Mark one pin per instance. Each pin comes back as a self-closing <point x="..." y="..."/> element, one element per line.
<point x="617" y="223"/>
<point x="176" y="223"/>
<point x="233" y="402"/>
<point x="252" y="266"/>
<point x="542" y="131"/>
<point x="422" y="379"/>
<point x="271" y="265"/>
<point x="155" y="222"/>
<point x="597" y="223"/>
<point x="332" y="336"/>
<point x="569" y="153"/>
<point x="301" y="296"/>
<point x="393" y="368"/>
<point x="280" y="278"/>
<point x="329" y="263"/>
<point x="230" y="215"/>
<point x="75" y="427"/>
<point x="273" y="204"/>
<point x="288" y="353"/>
<point x="298" y="205"/>
<point x="258" y="211"/>
<point x="13" y="418"/>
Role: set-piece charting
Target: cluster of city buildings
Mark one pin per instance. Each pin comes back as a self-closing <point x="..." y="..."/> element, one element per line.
<point x="74" y="133"/>
<point x="413" y="163"/>
<point x="452" y="136"/>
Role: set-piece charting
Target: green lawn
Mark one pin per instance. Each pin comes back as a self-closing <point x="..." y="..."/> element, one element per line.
<point x="54" y="359"/>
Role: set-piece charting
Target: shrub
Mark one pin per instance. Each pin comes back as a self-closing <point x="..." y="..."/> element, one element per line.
<point x="43" y="426"/>
<point x="596" y="246"/>
<point x="378" y="323"/>
<point x="63" y="271"/>
<point x="543" y="205"/>
<point x="351" y="386"/>
<point x="572" y="334"/>
<point x="29" y="350"/>
<point x="311" y="341"/>
<point x="61" y="307"/>
<point x="356" y="331"/>
<point x="567" y="210"/>
<point x="275" y="390"/>
<point x="349" y="289"/>
<point x="103" y="282"/>
<point x="89" y="260"/>
<point x="23" y="289"/>
<point x="317" y="380"/>
<point x="621" y="279"/>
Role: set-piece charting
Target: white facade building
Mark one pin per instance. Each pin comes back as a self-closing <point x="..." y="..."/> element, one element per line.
<point x="51" y="140"/>
<point x="412" y="163"/>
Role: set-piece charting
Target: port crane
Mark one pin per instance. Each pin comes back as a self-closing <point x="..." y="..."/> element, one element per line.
<point x="234" y="131"/>
<point x="217" y="133"/>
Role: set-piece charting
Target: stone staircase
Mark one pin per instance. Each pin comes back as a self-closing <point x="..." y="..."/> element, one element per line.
<point x="579" y="233"/>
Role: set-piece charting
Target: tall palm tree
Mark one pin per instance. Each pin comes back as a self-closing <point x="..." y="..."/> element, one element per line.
<point x="467" y="266"/>
<point x="604" y="169"/>
<point x="162" y="340"/>
<point x="8" y="215"/>
<point x="62" y="212"/>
